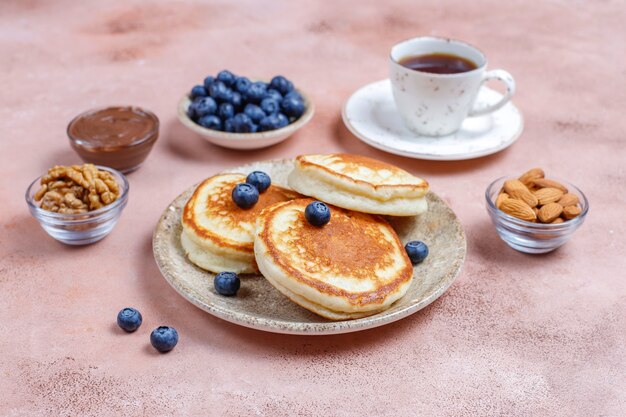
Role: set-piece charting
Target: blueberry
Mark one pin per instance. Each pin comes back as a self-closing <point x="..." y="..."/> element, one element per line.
<point x="292" y="107"/>
<point x="198" y="91"/>
<point x="242" y="84"/>
<point x="228" y="125"/>
<point x="192" y="113"/>
<point x="164" y="338"/>
<point x="210" y="122"/>
<point x="245" y="195"/>
<point x="219" y="91"/>
<point x="242" y="123"/>
<point x="226" y="283"/>
<point x="203" y="106"/>
<point x="271" y="93"/>
<point x="270" y="122"/>
<point x="227" y="78"/>
<point x="226" y="111"/>
<point x="317" y="213"/>
<point x="281" y="84"/>
<point x="282" y="120"/>
<point x="256" y="92"/>
<point x="260" y="180"/>
<point x="294" y="94"/>
<point x="236" y="100"/>
<point x="270" y="105"/>
<point x="417" y="251"/>
<point x="129" y="319"/>
<point x="254" y="112"/>
<point x="208" y="81"/>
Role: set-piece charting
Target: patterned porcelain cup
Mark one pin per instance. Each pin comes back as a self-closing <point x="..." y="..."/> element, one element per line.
<point x="436" y="104"/>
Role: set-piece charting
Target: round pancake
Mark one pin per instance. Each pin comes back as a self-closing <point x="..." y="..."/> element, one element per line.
<point x="353" y="266"/>
<point x="359" y="183"/>
<point x="217" y="234"/>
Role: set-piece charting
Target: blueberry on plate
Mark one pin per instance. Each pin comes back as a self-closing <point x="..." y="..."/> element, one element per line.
<point x="260" y="180"/>
<point x="245" y="195"/>
<point x="317" y="213"/>
<point x="203" y="106"/>
<point x="256" y="92"/>
<point x="229" y="126"/>
<point x="417" y="251"/>
<point x="242" y="84"/>
<point x="210" y="122"/>
<point x="254" y="112"/>
<point x="270" y="105"/>
<point x="271" y="93"/>
<point x="227" y="283"/>
<point x="281" y="84"/>
<point x="227" y="78"/>
<point x="243" y="124"/>
<point x="219" y="91"/>
<point x="198" y="91"/>
<point x="208" y="81"/>
<point x="292" y="107"/>
<point x="226" y="111"/>
<point x="129" y="319"/>
<point x="164" y="338"/>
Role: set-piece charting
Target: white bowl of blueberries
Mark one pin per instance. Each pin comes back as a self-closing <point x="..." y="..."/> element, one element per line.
<point x="236" y="112"/>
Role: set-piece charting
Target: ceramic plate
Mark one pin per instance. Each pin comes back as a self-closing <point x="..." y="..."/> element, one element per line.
<point x="258" y="305"/>
<point x="370" y="114"/>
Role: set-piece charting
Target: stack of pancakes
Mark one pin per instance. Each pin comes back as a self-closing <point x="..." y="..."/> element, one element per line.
<point x="354" y="266"/>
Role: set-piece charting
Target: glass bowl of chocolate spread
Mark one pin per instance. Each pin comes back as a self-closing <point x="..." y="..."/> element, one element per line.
<point x="117" y="137"/>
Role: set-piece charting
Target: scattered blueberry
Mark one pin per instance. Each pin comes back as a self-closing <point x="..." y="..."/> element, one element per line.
<point x="226" y="283"/>
<point x="129" y="319"/>
<point x="317" y="213"/>
<point x="226" y="111"/>
<point x="260" y="180"/>
<point x="292" y="107"/>
<point x="270" y="105"/>
<point x="242" y="123"/>
<point x="271" y="93"/>
<point x="198" y="91"/>
<point x="164" y="338"/>
<point x="256" y="92"/>
<point x="219" y="91"/>
<point x="242" y="84"/>
<point x="245" y="195"/>
<point x="210" y="122"/>
<point x="208" y="81"/>
<point x="417" y="251"/>
<point x="203" y="106"/>
<point x="227" y="77"/>
<point x="281" y="84"/>
<point x="229" y="126"/>
<point x="254" y="112"/>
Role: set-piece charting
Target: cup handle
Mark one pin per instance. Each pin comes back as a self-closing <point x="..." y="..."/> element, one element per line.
<point x="509" y="82"/>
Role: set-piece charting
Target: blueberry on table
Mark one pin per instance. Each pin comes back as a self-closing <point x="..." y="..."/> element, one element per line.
<point x="242" y="84"/>
<point x="226" y="111"/>
<point x="208" y="81"/>
<point x="227" y="78"/>
<point x="271" y="93"/>
<point x="164" y="338"/>
<point x="219" y="91"/>
<point x="227" y="283"/>
<point x="129" y="319"/>
<point x="245" y="195"/>
<point x="317" y="213"/>
<point x="417" y="251"/>
<point x="198" y="91"/>
<point x="203" y="106"/>
<point x="281" y="84"/>
<point x="243" y="124"/>
<point x="292" y="107"/>
<point x="210" y="122"/>
<point x="270" y="105"/>
<point x="256" y="92"/>
<point x="260" y="180"/>
<point x="254" y="112"/>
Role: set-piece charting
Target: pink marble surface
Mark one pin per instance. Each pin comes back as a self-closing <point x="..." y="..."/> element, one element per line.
<point x="516" y="335"/>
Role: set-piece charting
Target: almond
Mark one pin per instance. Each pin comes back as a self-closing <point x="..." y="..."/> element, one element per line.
<point x="548" y="195"/>
<point x="532" y="174"/>
<point x="516" y="189"/>
<point x="568" y="199"/>
<point x="570" y="212"/>
<point x="558" y="220"/>
<point x="544" y="182"/>
<point x="501" y="197"/>
<point x="550" y="212"/>
<point x="536" y="210"/>
<point x="519" y="209"/>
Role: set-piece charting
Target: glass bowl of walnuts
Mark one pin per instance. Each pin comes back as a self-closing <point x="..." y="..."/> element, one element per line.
<point x="78" y="204"/>
<point x="533" y="213"/>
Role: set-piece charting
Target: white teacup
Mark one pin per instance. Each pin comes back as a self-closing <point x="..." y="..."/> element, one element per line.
<point x="436" y="104"/>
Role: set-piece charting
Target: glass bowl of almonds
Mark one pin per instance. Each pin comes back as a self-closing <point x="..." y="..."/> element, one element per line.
<point x="78" y="204"/>
<point x="533" y="213"/>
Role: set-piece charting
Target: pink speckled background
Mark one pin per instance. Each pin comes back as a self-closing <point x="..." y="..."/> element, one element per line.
<point x="516" y="335"/>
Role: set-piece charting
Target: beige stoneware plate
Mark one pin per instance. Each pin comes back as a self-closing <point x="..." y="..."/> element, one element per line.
<point x="258" y="305"/>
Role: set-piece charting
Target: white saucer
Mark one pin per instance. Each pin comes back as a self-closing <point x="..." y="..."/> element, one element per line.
<point x="370" y="114"/>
